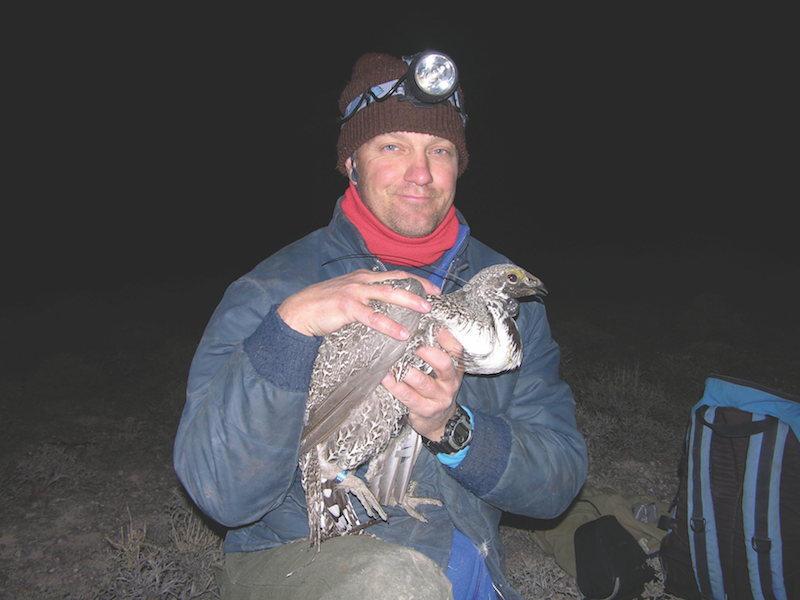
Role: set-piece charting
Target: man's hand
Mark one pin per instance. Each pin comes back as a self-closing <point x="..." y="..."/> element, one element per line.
<point x="431" y="401"/>
<point x="324" y="307"/>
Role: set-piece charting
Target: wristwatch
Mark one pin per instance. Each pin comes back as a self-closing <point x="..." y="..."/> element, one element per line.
<point x="457" y="434"/>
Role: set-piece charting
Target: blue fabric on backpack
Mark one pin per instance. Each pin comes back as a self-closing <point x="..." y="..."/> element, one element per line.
<point x="467" y="571"/>
<point x="749" y="398"/>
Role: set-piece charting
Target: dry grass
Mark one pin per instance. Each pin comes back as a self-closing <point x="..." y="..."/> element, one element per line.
<point x="181" y="569"/>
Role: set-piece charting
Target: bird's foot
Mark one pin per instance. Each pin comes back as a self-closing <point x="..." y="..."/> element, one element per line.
<point x="359" y="489"/>
<point x="411" y="502"/>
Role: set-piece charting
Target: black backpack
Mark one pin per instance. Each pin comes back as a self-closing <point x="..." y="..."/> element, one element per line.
<point x="609" y="562"/>
<point x="735" y="528"/>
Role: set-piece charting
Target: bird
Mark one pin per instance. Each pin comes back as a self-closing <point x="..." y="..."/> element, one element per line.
<point x="352" y="419"/>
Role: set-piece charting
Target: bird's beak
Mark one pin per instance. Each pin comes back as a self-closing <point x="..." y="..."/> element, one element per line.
<point x="538" y="288"/>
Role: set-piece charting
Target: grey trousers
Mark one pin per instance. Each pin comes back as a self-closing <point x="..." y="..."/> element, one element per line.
<point x="352" y="567"/>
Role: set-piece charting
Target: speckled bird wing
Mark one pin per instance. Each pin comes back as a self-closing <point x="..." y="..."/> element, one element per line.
<point x="351" y="364"/>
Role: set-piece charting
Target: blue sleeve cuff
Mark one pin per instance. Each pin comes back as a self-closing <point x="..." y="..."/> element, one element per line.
<point x="281" y="355"/>
<point x="480" y="469"/>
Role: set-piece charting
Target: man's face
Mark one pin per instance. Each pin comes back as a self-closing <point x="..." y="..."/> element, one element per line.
<point x="407" y="180"/>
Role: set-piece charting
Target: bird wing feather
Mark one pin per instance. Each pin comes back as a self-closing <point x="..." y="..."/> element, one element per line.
<point x="393" y="472"/>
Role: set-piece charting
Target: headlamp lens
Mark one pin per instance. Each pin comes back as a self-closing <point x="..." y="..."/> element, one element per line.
<point x="436" y="75"/>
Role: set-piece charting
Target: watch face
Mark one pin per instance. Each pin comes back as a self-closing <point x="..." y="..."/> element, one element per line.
<point x="461" y="434"/>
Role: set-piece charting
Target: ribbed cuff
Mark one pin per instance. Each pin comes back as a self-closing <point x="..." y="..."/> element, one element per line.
<point x="484" y="464"/>
<point x="281" y="355"/>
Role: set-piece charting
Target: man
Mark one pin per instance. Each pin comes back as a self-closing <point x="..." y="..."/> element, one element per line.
<point x="237" y="446"/>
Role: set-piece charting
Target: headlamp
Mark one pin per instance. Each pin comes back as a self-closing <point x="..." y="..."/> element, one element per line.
<point x="432" y="78"/>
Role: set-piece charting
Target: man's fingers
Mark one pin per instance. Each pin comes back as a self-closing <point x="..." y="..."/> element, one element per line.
<point x="326" y="306"/>
<point x="383" y="324"/>
<point x="430" y="288"/>
<point x="426" y="415"/>
<point x="449" y="343"/>
<point x="441" y="362"/>
<point x="391" y="295"/>
<point x="411" y="392"/>
<point x="401" y="297"/>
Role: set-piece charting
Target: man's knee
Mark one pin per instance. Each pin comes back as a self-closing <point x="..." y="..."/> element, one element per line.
<point x="350" y="566"/>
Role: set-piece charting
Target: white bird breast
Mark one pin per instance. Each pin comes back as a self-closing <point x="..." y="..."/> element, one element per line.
<point x="481" y="345"/>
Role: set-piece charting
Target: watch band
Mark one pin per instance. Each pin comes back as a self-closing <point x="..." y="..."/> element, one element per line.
<point x="457" y="434"/>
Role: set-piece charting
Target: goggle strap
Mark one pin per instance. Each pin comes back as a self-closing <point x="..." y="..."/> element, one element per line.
<point x="382" y="91"/>
<point x="374" y="94"/>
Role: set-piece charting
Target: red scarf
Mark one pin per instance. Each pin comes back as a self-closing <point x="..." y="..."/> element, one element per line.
<point x="394" y="248"/>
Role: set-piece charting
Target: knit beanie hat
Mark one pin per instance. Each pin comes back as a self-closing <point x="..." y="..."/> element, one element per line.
<point x="393" y="114"/>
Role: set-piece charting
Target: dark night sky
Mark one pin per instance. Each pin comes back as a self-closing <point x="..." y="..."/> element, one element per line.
<point x="167" y="145"/>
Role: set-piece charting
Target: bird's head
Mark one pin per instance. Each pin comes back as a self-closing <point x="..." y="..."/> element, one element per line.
<point x="509" y="281"/>
<point x="521" y="284"/>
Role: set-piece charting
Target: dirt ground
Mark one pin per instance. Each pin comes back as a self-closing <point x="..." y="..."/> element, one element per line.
<point x="90" y="404"/>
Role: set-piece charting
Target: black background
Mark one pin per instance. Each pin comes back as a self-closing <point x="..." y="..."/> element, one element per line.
<point x="607" y="145"/>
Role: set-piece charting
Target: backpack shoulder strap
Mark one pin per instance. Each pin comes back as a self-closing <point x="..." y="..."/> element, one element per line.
<point x="761" y="506"/>
<point x="703" y="540"/>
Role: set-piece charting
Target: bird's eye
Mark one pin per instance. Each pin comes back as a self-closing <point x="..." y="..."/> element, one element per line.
<point x="512" y="277"/>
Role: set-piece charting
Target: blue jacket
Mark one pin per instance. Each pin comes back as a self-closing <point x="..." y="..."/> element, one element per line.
<point x="237" y="446"/>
